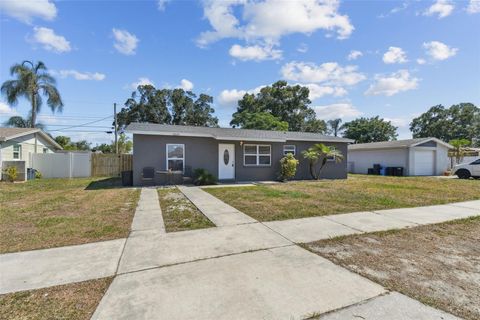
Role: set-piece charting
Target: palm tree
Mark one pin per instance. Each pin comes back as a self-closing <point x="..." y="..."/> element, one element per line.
<point x="31" y="83"/>
<point x="19" y="122"/>
<point x="335" y="126"/>
<point x="459" y="146"/>
<point x="320" y="151"/>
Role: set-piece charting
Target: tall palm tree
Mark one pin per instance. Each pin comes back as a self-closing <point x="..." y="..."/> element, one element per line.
<point x="334" y="125"/>
<point x="31" y="83"/>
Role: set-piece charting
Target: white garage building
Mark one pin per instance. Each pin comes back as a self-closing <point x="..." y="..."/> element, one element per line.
<point x="418" y="157"/>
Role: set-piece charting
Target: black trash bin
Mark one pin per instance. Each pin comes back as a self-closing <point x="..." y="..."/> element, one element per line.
<point x="127" y="178"/>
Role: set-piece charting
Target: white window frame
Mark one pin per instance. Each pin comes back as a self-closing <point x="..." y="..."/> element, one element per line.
<point x="257" y="154"/>
<point x="332" y="159"/>
<point x="19" y="152"/>
<point x="166" y="154"/>
<point x="285" y="152"/>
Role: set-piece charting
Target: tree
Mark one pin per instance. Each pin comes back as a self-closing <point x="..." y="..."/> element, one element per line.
<point x="459" y="146"/>
<point x="19" y="122"/>
<point x="288" y="167"/>
<point x="285" y="103"/>
<point x="460" y="121"/>
<point x="67" y="144"/>
<point x="167" y="106"/>
<point x="31" y="83"/>
<point x="321" y="152"/>
<point x="125" y="145"/>
<point x="262" y="121"/>
<point x="104" y="148"/>
<point x="334" y="126"/>
<point x="365" y="130"/>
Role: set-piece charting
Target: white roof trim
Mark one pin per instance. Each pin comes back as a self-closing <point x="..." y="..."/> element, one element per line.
<point x="33" y="131"/>
<point x="203" y="135"/>
<point x="433" y="139"/>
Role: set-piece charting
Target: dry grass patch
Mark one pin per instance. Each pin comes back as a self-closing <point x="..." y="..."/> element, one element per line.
<point x="179" y="213"/>
<point x="49" y="213"/>
<point x="75" y="301"/>
<point x="436" y="264"/>
<point x="357" y="193"/>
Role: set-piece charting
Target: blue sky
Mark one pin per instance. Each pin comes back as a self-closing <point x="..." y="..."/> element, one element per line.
<point x="359" y="58"/>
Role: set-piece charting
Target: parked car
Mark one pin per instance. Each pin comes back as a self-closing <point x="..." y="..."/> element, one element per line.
<point x="467" y="170"/>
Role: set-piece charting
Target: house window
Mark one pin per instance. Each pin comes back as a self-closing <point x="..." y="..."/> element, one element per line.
<point x="288" y="148"/>
<point x="45" y="150"/>
<point x="17" y="151"/>
<point x="175" y="157"/>
<point x="331" y="158"/>
<point x="256" y="155"/>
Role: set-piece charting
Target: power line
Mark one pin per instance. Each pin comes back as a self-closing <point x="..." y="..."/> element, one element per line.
<point x="81" y="125"/>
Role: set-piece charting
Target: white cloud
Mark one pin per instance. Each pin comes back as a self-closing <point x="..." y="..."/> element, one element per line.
<point x="302" y="48"/>
<point x="161" y="4"/>
<point x="317" y="91"/>
<point x="395" y="10"/>
<point x="392" y="84"/>
<point x="336" y="110"/>
<point x="328" y="73"/>
<point x="354" y="55"/>
<point x="26" y="11"/>
<point x="441" y="8"/>
<point x="473" y="6"/>
<point x="394" y="55"/>
<point x="438" y="50"/>
<point x="49" y="40"/>
<point x="142" y="81"/>
<point x="6" y="110"/>
<point x="269" y="20"/>
<point x="77" y="75"/>
<point x="399" y="122"/>
<point x="256" y="52"/>
<point x="421" y="61"/>
<point x="125" y="42"/>
<point x="229" y="98"/>
<point x="186" y="85"/>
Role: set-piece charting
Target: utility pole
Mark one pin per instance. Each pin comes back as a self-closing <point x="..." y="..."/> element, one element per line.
<point x="115" y="126"/>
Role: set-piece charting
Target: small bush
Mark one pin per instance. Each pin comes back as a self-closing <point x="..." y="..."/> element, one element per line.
<point x="12" y="173"/>
<point x="202" y="177"/>
<point x="288" y="167"/>
<point x="38" y="175"/>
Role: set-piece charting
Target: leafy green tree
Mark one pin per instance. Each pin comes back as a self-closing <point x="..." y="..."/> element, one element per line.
<point x="286" y="103"/>
<point x="32" y="82"/>
<point x="67" y="144"/>
<point x="365" y="130"/>
<point x="63" y="141"/>
<point x="460" y="121"/>
<point x="125" y="145"/>
<point x="19" y="122"/>
<point x="320" y="152"/>
<point x="262" y="121"/>
<point x="167" y="106"/>
<point x="334" y="126"/>
<point x="105" y="148"/>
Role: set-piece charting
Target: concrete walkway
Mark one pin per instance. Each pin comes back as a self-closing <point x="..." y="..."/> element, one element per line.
<point x="319" y="228"/>
<point x="148" y="215"/>
<point x="217" y="211"/>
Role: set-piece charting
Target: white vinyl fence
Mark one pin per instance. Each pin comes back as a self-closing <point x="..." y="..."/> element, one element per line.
<point x="62" y="165"/>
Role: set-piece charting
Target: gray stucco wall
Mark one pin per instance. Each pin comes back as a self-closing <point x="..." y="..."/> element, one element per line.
<point x="150" y="151"/>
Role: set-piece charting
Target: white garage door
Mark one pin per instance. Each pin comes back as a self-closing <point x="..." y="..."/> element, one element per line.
<point x="424" y="163"/>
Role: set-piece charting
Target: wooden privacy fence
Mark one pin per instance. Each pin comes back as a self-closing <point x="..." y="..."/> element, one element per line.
<point x="110" y="164"/>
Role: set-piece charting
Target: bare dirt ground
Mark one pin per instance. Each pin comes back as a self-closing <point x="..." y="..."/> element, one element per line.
<point x="437" y="264"/>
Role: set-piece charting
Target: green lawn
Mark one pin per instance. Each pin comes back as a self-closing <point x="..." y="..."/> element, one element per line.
<point x="357" y="193"/>
<point x="179" y="213"/>
<point x="74" y="301"/>
<point x="49" y="213"/>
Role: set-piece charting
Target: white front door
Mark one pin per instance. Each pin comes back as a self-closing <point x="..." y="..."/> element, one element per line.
<point x="226" y="161"/>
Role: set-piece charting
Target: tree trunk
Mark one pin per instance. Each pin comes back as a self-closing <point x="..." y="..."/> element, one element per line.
<point x="312" y="170"/>
<point x="34" y="111"/>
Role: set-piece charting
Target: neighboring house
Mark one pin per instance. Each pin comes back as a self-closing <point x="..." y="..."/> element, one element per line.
<point x="418" y="157"/>
<point x="18" y="144"/>
<point x="229" y="154"/>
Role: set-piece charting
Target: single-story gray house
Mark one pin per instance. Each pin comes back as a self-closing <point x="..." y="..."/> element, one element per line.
<point x="418" y="157"/>
<point x="227" y="153"/>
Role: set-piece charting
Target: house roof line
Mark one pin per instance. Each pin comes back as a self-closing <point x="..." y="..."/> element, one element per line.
<point x="229" y="133"/>
<point x="408" y="143"/>
<point x="7" y="134"/>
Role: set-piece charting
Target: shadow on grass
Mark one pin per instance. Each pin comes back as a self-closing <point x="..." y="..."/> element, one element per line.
<point x="107" y="183"/>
